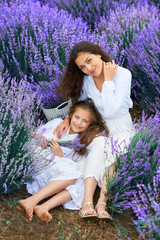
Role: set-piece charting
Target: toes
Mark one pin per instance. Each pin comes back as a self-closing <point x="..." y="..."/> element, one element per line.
<point x="29" y="214"/>
<point x="49" y="219"/>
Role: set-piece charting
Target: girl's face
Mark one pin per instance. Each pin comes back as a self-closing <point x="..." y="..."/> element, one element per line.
<point x="80" y="120"/>
<point x="90" y="64"/>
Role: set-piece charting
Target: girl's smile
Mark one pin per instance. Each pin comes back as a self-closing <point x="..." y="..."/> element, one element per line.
<point x="80" y="120"/>
<point x="90" y="64"/>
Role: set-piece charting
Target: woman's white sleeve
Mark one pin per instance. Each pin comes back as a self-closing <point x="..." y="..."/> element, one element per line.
<point x="116" y="93"/>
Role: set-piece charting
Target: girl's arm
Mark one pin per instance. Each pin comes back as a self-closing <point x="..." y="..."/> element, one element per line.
<point x="55" y="148"/>
<point x="40" y="140"/>
<point x="62" y="128"/>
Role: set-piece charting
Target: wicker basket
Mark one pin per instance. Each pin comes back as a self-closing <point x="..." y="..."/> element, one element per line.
<point x="60" y="111"/>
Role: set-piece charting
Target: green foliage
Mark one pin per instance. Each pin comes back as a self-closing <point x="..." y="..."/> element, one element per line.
<point x="17" y="122"/>
<point x="138" y="165"/>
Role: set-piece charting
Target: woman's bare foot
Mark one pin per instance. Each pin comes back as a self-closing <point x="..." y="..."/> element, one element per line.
<point x="43" y="214"/>
<point x="28" y="206"/>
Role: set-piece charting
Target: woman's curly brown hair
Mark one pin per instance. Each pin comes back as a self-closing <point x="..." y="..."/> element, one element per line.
<point x="72" y="80"/>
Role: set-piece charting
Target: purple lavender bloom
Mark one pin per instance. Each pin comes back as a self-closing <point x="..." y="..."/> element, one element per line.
<point x="35" y="41"/>
<point x="138" y="166"/>
<point x="91" y="10"/>
<point x="123" y="23"/>
<point x="17" y="121"/>
<point x="147" y="199"/>
<point x="144" y="63"/>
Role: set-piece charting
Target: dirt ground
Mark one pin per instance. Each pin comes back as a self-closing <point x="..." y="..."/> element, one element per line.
<point x="66" y="224"/>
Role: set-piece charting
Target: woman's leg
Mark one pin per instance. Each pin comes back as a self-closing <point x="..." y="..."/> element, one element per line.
<point x="42" y="211"/>
<point x="50" y="189"/>
<point x="89" y="190"/>
<point x="102" y="198"/>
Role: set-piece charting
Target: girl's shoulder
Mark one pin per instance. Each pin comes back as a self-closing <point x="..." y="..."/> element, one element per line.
<point x="51" y="125"/>
<point x="54" y="122"/>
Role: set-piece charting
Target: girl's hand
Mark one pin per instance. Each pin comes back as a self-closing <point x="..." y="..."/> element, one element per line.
<point x="41" y="140"/>
<point x="54" y="146"/>
<point x="62" y="128"/>
<point x="109" y="70"/>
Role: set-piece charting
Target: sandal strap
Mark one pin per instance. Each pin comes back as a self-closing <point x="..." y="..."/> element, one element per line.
<point x="84" y="213"/>
<point x="104" y="212"/>
<point x="104" y="203"/>
<point x="87" y="203"/>
<point x="101" y="212"/>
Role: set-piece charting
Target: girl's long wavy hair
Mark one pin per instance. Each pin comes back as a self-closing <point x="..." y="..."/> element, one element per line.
<point x="96" y="128"/>
<point x="72" y="80"/>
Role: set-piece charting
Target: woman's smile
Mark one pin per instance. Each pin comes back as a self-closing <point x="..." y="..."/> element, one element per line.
<point x="90" y="64"/>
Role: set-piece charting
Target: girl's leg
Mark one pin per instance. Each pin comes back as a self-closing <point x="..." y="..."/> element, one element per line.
<point x="50" y="189"/>
<point x="42" y="211"/>
<point x="89" y="190"/>
<point x="102" y="199"/>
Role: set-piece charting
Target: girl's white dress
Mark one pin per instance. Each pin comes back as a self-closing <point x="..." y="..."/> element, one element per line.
<point x="113" y="102"/>
<point x="53" y="168"/>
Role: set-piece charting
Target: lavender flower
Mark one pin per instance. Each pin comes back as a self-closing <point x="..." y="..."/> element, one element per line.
<point x="122" y="24"/>
<point x="91" y="10"/>
<point x="35" y="41"/>
<point x="138" y="165"/>
<point x="146" y="206"/>
<point x="17" y="121"/>
<point x="144" y="62"/>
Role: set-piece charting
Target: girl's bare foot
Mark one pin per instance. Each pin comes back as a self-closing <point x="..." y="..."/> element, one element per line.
<point x="43" y="214"/>
<point x="27" y="205"/>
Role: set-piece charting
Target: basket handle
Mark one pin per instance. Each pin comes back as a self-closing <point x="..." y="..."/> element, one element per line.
<point x="62" y="105"/>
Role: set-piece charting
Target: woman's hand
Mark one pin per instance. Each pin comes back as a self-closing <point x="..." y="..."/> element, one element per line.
<point x="55" y="148"/>
<point x="62" y="128"/>
<point x="41" y="140"/>
<point x="109" y="70"/>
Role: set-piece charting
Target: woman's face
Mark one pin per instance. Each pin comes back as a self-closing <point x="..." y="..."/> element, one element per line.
<point x="80" y="120"/>
<point x="90" y="64"/>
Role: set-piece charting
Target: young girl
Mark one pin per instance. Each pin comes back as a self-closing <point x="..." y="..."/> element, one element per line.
<point x="60" y="179"/>
<point x="90" y="72"/>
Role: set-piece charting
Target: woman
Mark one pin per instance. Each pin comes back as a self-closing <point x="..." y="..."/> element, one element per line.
<point x="90" y="72"/>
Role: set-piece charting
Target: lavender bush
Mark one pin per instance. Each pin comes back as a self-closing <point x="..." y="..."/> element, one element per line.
<point x="144" y="62"/>
<point x="46" y="92"/>
<point x="90" y="10"/>
<point x="146" y="206"/>
<point x="138" y="165"/>
<point x="35" y="40"/>
<point x="124" y="22"/>
<point x="17" y="122"/>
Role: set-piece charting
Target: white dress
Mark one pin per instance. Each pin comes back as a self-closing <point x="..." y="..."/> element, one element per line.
<point x="58" y="168"/>
<point x="113" y="102"/>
